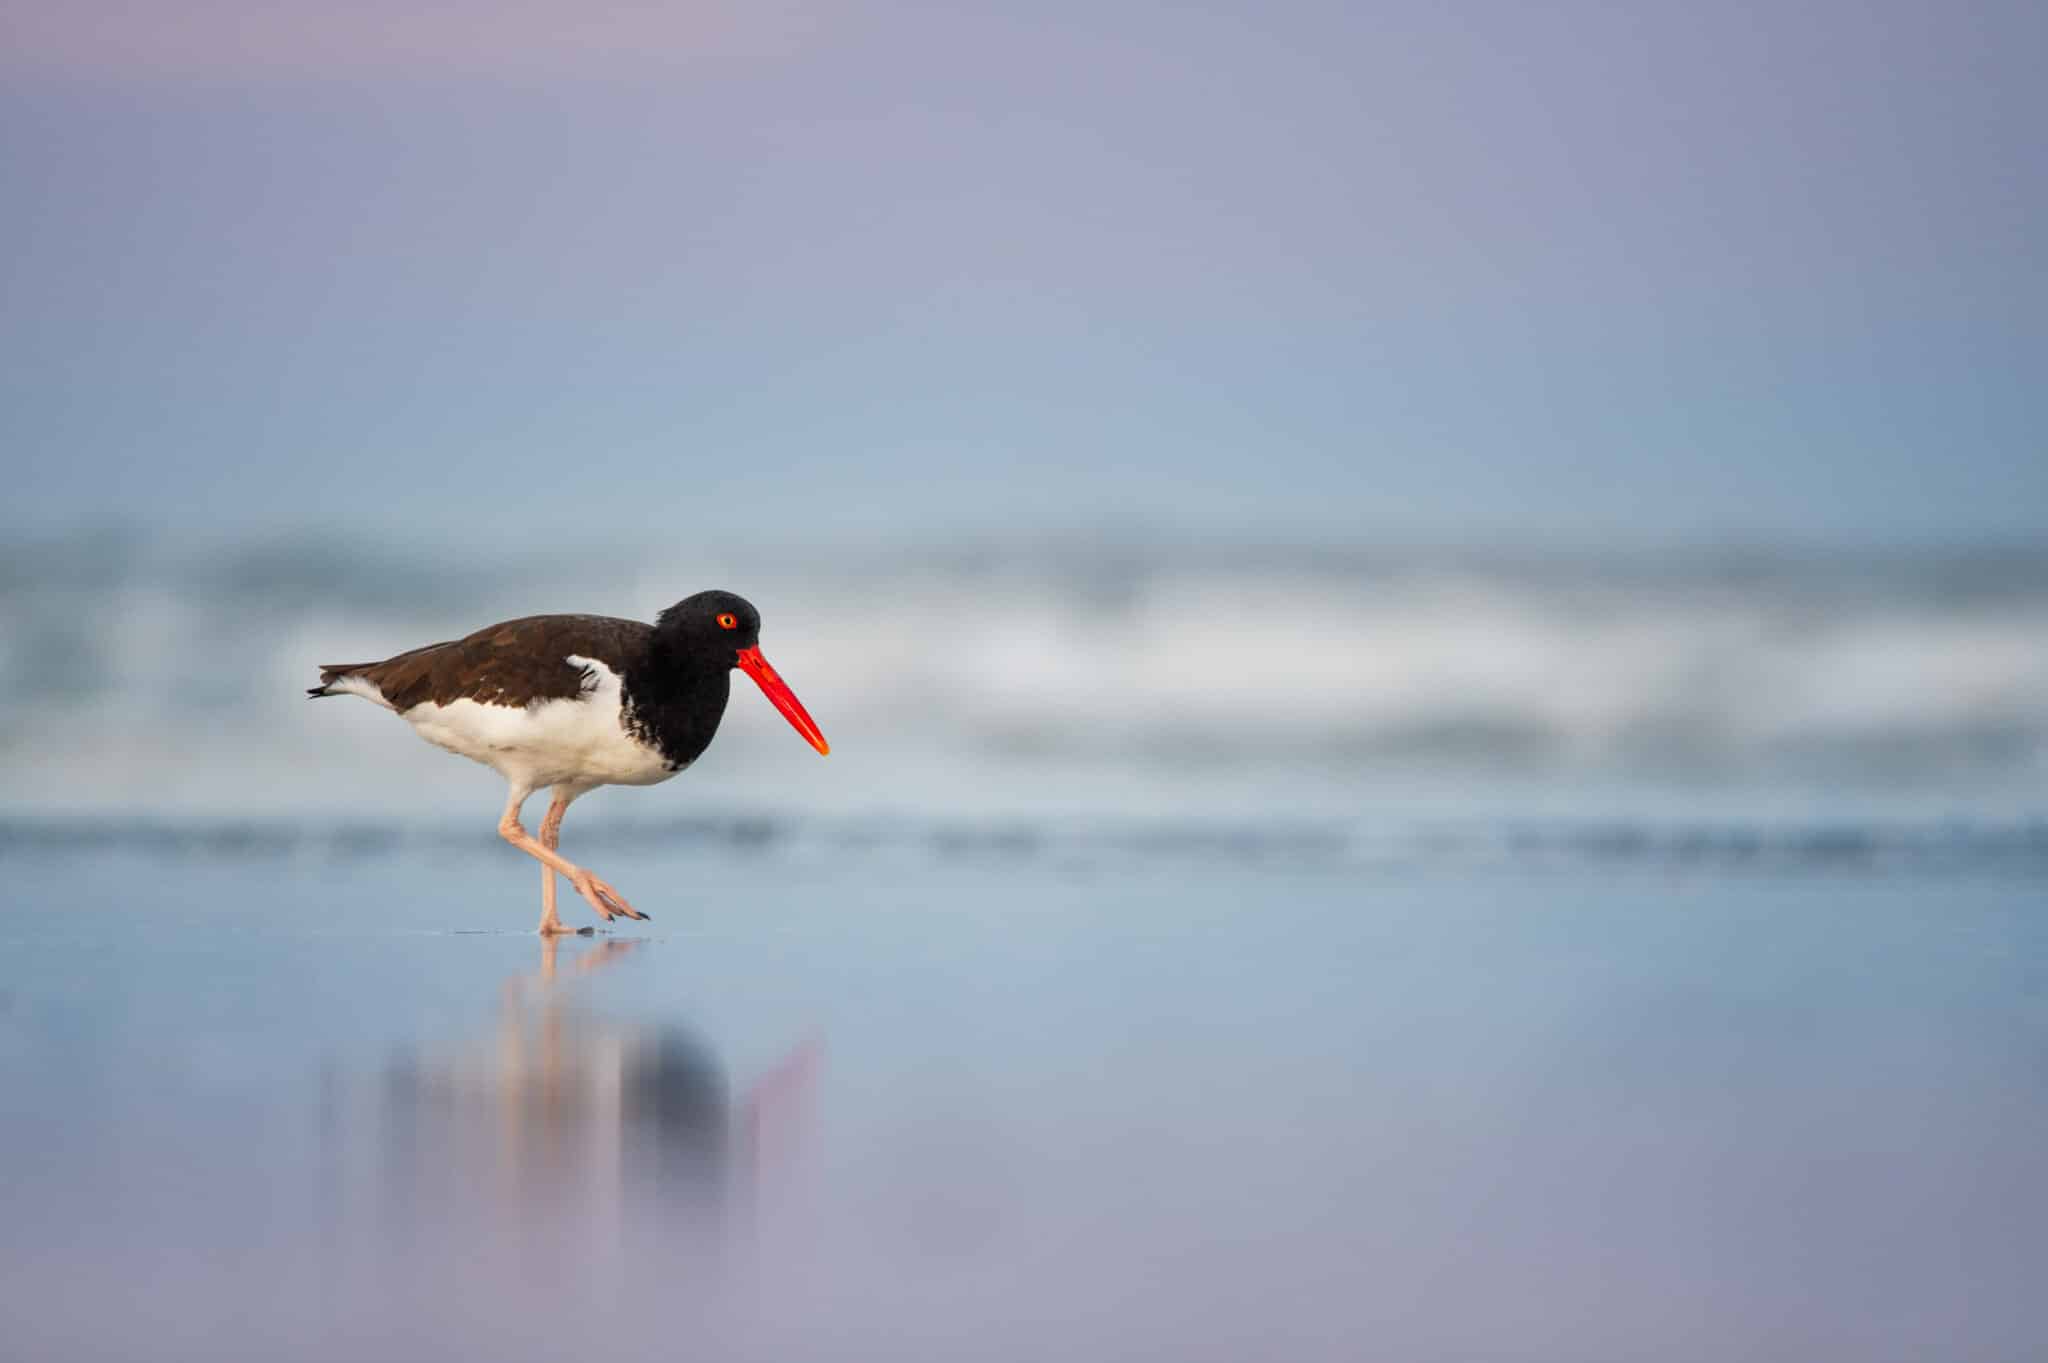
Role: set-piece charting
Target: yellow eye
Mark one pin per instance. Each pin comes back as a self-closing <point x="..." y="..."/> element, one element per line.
<point x="728" y="621"/>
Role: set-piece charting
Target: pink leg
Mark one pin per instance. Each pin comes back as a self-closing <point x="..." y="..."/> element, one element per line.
<point x="551" y="838"/>
<point x="601" y="896"/>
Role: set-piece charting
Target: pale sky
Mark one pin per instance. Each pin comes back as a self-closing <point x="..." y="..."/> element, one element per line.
<point x="1409" y="269"/>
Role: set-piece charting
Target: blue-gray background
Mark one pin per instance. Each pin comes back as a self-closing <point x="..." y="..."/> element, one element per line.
<point x="543" y="273"/>
<point x="1434" y="620"/>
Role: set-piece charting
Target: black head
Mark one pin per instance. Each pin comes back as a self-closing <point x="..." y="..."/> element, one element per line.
<point x="717" y="630"/>
<point x="711" y="625"/>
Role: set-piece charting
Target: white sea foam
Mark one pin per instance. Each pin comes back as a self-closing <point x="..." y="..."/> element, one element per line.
<point x="1044" y="678"/>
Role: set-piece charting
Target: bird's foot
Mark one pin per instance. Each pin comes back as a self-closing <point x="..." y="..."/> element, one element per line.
<point x="601" y="896"/>
<point x="557" y="928"/>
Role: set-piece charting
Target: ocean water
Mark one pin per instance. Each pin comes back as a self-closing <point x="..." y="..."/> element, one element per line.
<point x="1185" y="953"/>
<point x="1091" y="677"/>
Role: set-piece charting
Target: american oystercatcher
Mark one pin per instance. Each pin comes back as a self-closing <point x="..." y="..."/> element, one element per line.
<point x="576" y="702"/>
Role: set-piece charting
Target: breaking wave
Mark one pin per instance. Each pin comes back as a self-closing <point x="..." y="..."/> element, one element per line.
<point x="1086" y="673"/>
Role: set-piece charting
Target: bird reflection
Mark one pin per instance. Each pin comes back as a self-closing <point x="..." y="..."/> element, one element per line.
<point x="560" y="1129"/>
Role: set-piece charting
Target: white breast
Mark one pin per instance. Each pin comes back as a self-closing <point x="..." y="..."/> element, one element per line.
<point x="577" y="742"/>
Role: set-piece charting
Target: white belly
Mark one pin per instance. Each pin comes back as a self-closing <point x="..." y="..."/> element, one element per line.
<point x="574" y="742"/>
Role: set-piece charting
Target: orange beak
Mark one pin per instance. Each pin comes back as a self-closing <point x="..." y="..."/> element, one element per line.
<point x="782" y="698"/>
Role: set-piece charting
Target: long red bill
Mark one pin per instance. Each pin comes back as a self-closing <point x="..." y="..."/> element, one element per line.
<point x="754" y="665"/>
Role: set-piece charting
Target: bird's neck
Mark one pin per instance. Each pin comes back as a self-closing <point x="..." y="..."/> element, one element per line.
<point x="676" y="699"/>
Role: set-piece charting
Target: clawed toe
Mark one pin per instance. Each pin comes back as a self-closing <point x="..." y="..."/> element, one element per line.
<point x="608" y="902"/>
<point x="618" y="902"/>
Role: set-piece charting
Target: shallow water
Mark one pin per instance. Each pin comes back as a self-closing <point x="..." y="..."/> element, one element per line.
<point x="840" y="1100"/>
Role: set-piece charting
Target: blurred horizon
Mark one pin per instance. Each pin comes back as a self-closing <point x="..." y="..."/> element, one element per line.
<point x="1050" y="677"/>
<point x="1322" y="409"/>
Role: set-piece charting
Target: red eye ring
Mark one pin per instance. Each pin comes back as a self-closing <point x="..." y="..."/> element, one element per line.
<point x="728" y="621"/>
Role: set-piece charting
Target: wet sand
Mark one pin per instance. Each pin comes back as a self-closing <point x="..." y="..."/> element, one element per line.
<point x="322" y="1106"/>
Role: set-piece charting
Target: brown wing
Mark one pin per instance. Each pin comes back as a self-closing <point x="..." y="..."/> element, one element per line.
<point x="515" y="663"/>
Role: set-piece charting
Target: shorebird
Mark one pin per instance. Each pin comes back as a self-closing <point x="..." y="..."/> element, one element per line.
<point x="576" y="702"/>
